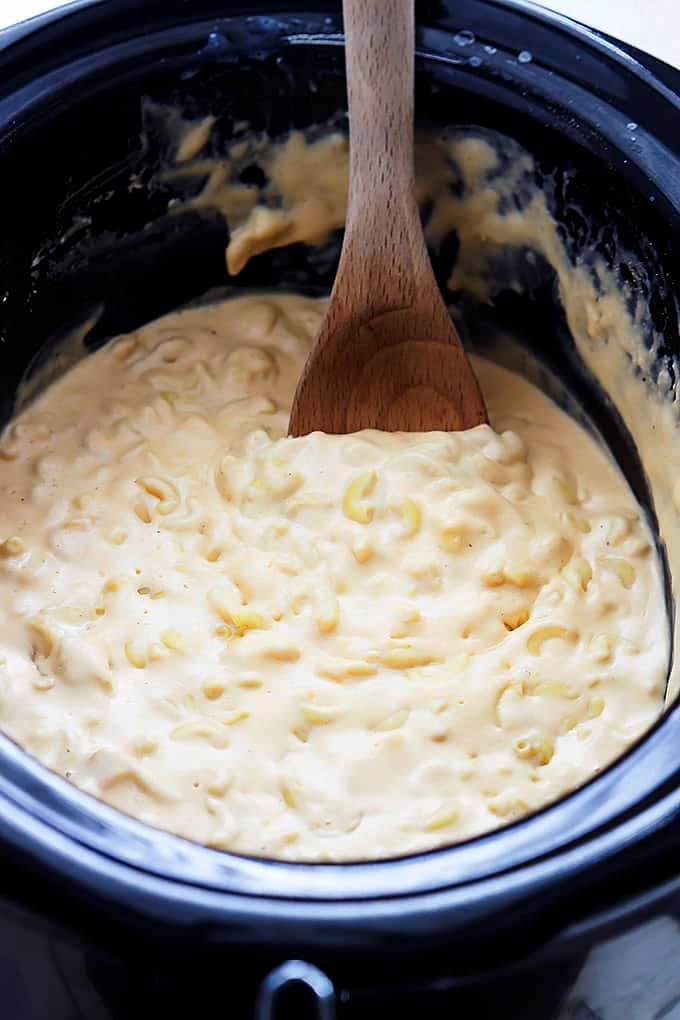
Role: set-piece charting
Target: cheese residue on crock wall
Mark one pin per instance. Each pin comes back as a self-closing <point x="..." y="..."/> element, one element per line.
<point x="332" y="647"/>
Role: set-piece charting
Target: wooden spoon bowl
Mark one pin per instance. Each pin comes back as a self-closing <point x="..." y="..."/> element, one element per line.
<point x="387" y="355"/>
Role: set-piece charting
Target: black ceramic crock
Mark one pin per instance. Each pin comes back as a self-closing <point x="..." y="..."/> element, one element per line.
<point x="157" y="923"/>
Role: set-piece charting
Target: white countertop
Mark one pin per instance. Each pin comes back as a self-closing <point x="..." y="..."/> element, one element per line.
<point x="652" y="25"/>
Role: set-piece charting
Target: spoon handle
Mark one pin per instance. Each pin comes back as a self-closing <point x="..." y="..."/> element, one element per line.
<point x="387" y="355"/>
<point x="383" y="237"/>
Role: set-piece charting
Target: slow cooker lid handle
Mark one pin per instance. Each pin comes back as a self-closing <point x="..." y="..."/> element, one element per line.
<point x="295" y="972"/>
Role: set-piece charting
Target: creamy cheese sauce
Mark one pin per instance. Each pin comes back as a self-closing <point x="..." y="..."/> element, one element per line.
<point x="325" y="648"/>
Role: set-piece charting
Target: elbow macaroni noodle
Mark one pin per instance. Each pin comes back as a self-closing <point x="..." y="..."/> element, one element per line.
<point x="326" y="648"/>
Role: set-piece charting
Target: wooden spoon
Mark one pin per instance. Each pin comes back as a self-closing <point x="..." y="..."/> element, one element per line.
<point x="387" y="355"/>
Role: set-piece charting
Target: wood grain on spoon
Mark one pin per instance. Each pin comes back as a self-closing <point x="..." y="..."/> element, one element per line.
<point x="387" y="355"/>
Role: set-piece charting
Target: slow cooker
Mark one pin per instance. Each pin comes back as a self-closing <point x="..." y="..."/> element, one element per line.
<point x="101" y="916"/>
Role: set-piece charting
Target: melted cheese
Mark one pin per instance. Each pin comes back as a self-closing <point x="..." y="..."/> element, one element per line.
<point x="325" y="648"/>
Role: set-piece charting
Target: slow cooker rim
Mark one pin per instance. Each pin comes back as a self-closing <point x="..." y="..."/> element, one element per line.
<point x="67" y="812"/>
<point x="60" y="17"/>
<point x="293" y="922"/>
<point x="10" y="802"/>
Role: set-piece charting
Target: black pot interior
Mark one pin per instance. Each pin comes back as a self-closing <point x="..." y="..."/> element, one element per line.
<point x="86" y="225"/>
